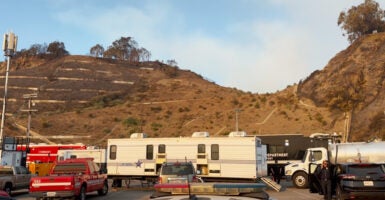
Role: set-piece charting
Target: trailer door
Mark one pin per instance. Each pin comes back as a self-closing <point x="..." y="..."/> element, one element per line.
<point x="261" y="160"/>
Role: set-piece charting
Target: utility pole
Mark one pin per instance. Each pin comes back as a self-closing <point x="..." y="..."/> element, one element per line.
<point x="236" y="118"/>
<point x="9" y="48"/>
<point x="29" y="109"/>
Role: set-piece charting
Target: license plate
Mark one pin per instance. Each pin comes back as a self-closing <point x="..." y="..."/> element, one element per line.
<point x="51" y="194"/>
<point x="368" y="183"/>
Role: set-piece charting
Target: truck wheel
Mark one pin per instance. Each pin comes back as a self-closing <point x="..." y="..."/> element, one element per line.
<point x="104" y="190"/>
<point x="8" y="188"/>
<point x="82" y="194"/>
<point x="300" y="180"/>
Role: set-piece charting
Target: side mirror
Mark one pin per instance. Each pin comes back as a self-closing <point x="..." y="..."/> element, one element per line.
<point x="103" y="170"/>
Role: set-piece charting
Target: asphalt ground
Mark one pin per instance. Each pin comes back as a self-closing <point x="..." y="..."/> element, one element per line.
<point x="137" y="191"/>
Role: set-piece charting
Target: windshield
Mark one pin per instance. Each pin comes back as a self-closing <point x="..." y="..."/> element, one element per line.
<point x="69" y="168"/>
<point x="208" y="191"/>
<point x="363" y="170"/>
<point x="305" y="156"/>
<point x="177" y="169"/>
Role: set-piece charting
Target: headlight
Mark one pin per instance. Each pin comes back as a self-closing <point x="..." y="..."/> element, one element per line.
<point x="288" y="172"/>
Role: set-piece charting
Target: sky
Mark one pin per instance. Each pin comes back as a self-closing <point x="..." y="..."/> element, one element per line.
<point x="258" y="46"/>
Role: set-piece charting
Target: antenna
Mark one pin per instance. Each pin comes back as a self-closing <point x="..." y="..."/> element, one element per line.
<point x="5" y="45"/>
<point x="9" y="48"/>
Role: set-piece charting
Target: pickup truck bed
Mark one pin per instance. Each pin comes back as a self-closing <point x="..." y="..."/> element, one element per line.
<point x="72" y="178"/>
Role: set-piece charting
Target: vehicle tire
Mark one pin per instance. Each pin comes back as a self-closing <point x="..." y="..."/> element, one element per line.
<point x="8" y="188"/>
<point x="104" y="190"/>
<point x="83" y="193"/>
<point x="339" y="193"/>
<point x="300" y="180"/>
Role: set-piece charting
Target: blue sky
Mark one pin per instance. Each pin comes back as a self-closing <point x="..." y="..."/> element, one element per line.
<point x="253" y="45"/>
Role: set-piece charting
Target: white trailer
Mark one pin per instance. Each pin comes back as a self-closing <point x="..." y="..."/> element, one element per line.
<point x="214" y="158"/>
<point x="99" y="155"/>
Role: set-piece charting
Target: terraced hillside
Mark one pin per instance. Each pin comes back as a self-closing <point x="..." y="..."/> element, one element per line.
<point x="102" y="98"/>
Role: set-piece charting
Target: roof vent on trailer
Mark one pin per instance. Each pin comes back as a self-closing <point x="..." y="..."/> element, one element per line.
<point x="138" y="135"/>
<point x="238" y="134"/>
<point x="200" y="134"/>
<point x="319" y="135"/>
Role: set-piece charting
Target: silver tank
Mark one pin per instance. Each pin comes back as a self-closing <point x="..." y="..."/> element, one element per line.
<point x="364" y="152"/>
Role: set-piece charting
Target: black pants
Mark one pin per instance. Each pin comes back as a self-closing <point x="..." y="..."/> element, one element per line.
<point x="327" y="189"/>
<point x="277" y="179"/>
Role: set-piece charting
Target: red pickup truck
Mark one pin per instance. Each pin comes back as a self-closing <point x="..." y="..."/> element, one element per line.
<point x="72" y="178"/>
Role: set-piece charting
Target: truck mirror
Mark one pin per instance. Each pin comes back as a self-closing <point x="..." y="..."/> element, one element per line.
<point x="103" y="170"/>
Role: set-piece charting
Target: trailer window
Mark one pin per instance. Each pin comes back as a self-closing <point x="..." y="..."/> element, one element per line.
<point x="276" y="149"/>
<point x="150" y="152"/>
<point x="201" y="148"/>
<point x="113" y="149"/>
<point x="162" y="148"/>
<point x="214" y="152"/>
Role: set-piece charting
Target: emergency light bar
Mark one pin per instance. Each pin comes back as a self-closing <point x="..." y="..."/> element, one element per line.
<point x="210" y="188"/>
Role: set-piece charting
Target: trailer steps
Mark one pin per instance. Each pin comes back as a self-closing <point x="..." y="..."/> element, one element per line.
<point x="277" y="187"/>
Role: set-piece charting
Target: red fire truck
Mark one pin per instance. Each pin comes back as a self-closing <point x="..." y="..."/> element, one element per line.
<point x="41" y="157"/>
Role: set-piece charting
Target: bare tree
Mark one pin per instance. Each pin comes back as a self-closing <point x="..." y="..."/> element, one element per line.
<point x="97" y="50"/>
<point x="57" y="49"/>
<point x="144" y="55"/>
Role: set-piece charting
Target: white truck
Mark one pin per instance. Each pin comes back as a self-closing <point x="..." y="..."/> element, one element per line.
<point x="138" y="157"/>
<point x="336" y="153"/>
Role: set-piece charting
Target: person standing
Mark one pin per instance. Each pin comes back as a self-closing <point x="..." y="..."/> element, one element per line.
<point x="276" y="171"/>
<point x="326" y="184"/>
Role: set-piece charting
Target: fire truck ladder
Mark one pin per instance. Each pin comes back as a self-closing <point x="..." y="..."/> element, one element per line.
<point x="277" y="187"/>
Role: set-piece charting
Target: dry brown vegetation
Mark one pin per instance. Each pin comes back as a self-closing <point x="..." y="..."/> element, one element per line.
<point x="105" y="98"/>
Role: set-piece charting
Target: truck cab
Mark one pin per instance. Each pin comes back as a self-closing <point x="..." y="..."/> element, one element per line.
<point x="298" y="172"/>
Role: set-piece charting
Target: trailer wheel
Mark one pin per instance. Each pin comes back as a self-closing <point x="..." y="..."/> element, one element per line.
<point x="300" y="180"/>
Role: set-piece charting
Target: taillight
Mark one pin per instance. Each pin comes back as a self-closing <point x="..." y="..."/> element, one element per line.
<point x="160" y="180"/>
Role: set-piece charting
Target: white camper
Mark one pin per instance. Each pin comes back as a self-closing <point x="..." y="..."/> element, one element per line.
<point x="235" y="157"/>
<point x="99" y="155"/>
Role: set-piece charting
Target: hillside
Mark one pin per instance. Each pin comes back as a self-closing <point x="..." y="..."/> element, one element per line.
<point x="352" y="85"/>
<point x="103" y="98"/>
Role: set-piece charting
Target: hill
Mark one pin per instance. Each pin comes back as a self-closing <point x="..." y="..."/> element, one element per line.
<point x="95" y="99"/>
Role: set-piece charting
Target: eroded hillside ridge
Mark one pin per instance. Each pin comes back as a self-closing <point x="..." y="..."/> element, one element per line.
<point x="352" y="83"/>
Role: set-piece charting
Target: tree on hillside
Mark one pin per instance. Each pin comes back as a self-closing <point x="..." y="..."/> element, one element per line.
<point x="362" y="20"/>
<point x="144" y="54"/>
<point x="97" y="50"/>
<point x="34" y="50"/>
<point x="126" y="48"/>
<point x="121" y="49"/>
<point x="57" y="49"/>
<point x="37" y="49"/>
